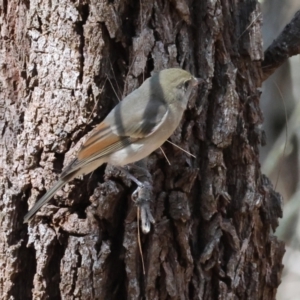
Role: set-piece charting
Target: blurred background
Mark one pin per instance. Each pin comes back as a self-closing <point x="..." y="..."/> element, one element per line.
<point x="280" y="158"/>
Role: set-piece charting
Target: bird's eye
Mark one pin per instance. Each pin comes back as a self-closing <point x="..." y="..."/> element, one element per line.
<point x="186" y="85"/>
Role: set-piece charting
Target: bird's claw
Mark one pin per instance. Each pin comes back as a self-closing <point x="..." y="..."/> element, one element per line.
<point x="142" y="197"/>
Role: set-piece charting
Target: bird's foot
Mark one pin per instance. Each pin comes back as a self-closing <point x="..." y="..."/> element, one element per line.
<point x="142" y="197"/>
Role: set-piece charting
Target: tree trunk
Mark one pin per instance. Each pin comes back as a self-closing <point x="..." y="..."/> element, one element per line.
<point x="64" y="65"/>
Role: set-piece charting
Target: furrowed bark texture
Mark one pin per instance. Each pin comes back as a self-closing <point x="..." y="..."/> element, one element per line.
<point x="64" y="64"/>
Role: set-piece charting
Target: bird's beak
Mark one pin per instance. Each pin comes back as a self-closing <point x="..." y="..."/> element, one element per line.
<point x="197" y="81"/>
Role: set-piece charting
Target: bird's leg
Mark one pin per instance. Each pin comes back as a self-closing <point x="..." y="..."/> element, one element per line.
<point x="142" y="198"/>
<point x="131" y="177"/>
<point x="143" y="193"/>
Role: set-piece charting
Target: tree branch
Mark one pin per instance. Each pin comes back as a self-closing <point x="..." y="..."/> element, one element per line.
<point x="286" y="45"/>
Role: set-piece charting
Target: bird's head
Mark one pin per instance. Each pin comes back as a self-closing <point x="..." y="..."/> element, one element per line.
<point x="174" y="84"/>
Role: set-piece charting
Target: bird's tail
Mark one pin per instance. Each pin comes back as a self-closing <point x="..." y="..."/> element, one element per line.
<point x="44" y="200"/>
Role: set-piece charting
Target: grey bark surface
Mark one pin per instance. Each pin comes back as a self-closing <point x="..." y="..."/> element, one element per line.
<point x="62" y="65"/>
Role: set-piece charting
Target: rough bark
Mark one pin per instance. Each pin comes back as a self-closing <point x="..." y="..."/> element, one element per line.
<point x="63" y="63"/>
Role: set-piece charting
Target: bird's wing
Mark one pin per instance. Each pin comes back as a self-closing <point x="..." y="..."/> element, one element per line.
<point x="100" y="143"/>
<point x="137" y="115"/>
<point x="118" y="131"/>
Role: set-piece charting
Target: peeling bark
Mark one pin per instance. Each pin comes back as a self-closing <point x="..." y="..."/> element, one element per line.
<point x="63" y="67"/>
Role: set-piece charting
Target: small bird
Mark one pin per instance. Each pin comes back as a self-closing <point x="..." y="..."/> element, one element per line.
<point x="136" y="127"/>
